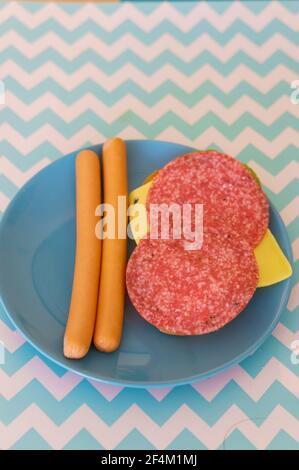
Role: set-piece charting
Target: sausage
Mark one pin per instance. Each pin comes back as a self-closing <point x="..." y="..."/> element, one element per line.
<point x="82" y="313"/>
<point x="109" y="321"/>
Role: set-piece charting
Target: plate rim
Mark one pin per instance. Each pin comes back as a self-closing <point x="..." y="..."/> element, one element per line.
<point x="149" y="384"/>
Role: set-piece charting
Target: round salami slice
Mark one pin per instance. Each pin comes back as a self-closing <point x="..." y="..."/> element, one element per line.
<point x="192" y="292"/>
<point x="231" y="196"/>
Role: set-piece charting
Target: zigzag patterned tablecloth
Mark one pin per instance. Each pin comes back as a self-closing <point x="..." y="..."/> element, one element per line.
<point x="216" y="74"/>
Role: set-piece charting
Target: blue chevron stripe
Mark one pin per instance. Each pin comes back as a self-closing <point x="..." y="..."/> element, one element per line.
<point x="283" y="441"/>
<point x="184" y="441"/>
<point x="293" y="228"/>
<point x="276" y="165"/>
<point x="236" y="441"/>
<point x="183" y="7"/>
<point x="296" y="267"/>
<point x="135" y="440"/>
<point x="247" y="120"/>
<point x="31" y="441"/>
<point x="13" y="362"/>
<point x="148" y="98"/>
<point x="83" y="440"/>
<point x="210" y="412"/>
<point x="7" y="187"/>
<point x="165" y="27"/>
<point x="5" y="319"/>
<point x="253" y="5"/>
<point x="25" y="161"/>
<point x="291" y="320"/>
<point x="149" y="67"/>
<point x="285" y="196"/>
<point x="289" y="5"/>
<point x="293" y="236"/>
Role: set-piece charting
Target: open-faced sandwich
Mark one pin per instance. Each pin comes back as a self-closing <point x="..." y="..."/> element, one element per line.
<point x="183" y="290"/>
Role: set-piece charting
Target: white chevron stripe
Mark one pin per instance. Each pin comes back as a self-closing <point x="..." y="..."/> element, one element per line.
<point x="286" y="337"/>
<point x="211" y="136"/>
<point x="4" y="201"/>
<point x="17" y="176"/>
<point x="48" y="134"/>
<point x="165" y="11"/>
<point x="255" y="387"/>
<point x="159" y="393"/>
<point x="160" y="436"/>
<point x="291" y="211"/>
<point x="189" y="114"/>
<point x="108" y="391"/>
<point x="12" y="339"/>
<point x="295" y="247"/>
<point x="278" y="182"/>
<point x="234" y="147"/>
<point x="149" y="52"/>
<point x="294" y="298"/>
<point x="37" y="369"/>
<point x="58" y="387"/>
<point x="148" y="83"/>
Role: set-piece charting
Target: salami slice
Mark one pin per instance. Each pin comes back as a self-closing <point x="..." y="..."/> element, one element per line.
<point x="192" y="292"/>
<point x="231" y="196"/>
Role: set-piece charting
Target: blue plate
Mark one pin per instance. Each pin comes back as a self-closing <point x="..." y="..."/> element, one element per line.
<point x="37" y="249"/>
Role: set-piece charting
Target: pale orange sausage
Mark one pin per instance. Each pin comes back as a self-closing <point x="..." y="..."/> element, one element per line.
<point x="82" y="313"/>
<point x="108" y="328"/>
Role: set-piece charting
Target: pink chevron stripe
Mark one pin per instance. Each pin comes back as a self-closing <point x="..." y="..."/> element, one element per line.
<point x="160" y="436"/>
<point x="294" y="298"/>
<point x="210" y="387"/>
<point x="147" y="82"/>
<point x="149" y="52"/>
<point x="48" y="134"/>
<point x="12" y="339"/>
<point x="4" y="201"/>
<point x="234" y="147"/>
<point x="295" y="247"/>
<point x="159" y="393"/>
<point x="291" y="211"/>
<point x="164" y="11"/>
<point x="277" y="182"/>
<point x="153" y="113"/>
<point x="59" y="387"/>
<point x="254" y="387"/>
<point x="285" y="336"/>
<point x="107" y="390"/>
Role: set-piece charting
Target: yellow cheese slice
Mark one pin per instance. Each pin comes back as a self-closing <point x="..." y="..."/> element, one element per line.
<point x="272" y="263"/>
<point x="137" y="211"/>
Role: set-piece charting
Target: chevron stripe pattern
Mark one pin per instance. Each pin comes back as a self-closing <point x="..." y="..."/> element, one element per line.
<point x="206" y="74"/>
